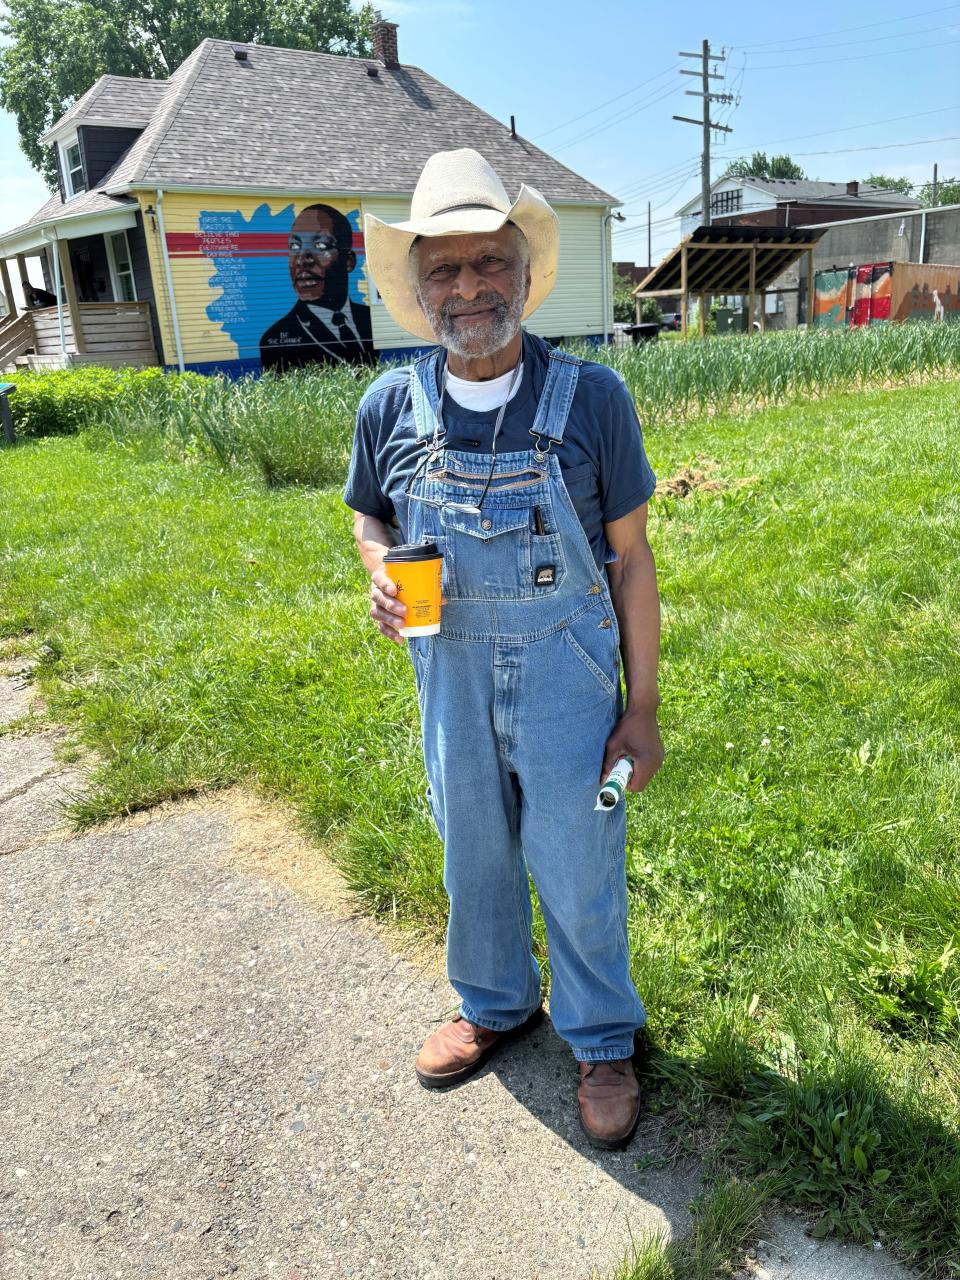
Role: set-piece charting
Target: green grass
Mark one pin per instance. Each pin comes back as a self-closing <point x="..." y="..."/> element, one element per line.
<point x="794" y="870"/>
<point x="725" y="1221"/>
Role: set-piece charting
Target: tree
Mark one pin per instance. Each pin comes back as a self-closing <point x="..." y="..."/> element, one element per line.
<point x="903" y="185"/>
<point x="760" y="167"/>
<point x="948" y="192"/>
<point x="624" y="303"/>
<point x="58" y="48"/>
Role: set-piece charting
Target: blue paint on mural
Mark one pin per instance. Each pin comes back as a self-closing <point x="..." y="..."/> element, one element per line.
<point x="254" y="268"/>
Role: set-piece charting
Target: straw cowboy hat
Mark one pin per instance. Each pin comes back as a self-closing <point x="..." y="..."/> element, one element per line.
<point x="458" y="193"/>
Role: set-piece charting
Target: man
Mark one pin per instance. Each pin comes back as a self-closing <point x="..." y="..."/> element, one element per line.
<point x="324" y="326"/>
<point x="526" y="466"/>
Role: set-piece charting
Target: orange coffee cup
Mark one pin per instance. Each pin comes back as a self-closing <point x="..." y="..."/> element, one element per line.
<point x="416" y="567"/>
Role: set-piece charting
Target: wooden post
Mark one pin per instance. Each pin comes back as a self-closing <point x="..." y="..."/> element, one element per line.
<point x="703" y="315"/>
<point x="5" y="286"/>
<point x="683" y="291"/>
<point x="22" y="268"/>
<point x="811" y="286"/>
<point x="73" y="306"/>
<point x="763" y="311"/>
<point x="752" y="288"/>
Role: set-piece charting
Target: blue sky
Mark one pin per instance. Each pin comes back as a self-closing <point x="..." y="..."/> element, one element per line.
<point x="847" y="89"/>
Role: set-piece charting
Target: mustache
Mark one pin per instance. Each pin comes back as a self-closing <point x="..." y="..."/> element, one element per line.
<point x="455" y="307"/>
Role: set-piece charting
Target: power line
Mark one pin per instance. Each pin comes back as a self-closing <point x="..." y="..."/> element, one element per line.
<point x="633" y="110"/>
<point x="844" y="44"/>
<point x="839" y="31"/>
<point x="854" y="57"/>
<point x="654" y="187"/>
<point x="641" y="227"/>
<point x="593" y="110"/>
<point x="799" y="137"/>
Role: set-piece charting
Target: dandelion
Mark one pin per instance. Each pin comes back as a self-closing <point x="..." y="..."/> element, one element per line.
<point x="764" y="742"/>
<point x="729" y="746"/>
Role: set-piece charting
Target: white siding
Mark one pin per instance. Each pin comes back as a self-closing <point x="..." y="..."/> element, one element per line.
<point x="753" y="201"/>
<point x="573" y="309"/>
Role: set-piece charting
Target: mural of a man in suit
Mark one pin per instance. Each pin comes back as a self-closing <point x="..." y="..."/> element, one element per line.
<point x="324" y="325"/>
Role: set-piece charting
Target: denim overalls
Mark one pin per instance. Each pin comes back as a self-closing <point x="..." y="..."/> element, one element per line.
<point x="518" y="695"/>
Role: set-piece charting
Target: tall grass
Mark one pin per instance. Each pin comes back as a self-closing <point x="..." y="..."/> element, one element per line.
<point x="297" y="429"/>
<point x="676" y="381"/>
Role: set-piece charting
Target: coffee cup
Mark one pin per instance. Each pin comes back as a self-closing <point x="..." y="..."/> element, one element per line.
<point x="416" y="567"/>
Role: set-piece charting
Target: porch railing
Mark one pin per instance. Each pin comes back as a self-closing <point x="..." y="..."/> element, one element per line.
<point x="117" y="333"/>
<point x="113" y="333"/>
<point x="16" y="339"/>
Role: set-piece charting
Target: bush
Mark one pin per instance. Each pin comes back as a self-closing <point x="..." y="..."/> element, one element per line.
<point x="62" y="401"/>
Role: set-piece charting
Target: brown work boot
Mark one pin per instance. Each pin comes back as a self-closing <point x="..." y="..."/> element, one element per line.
<point x="460" y="1048"/>
<point x="609" y="1098"/>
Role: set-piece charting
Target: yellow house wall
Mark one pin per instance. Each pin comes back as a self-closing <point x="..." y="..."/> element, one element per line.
<point x="231" y="281"/>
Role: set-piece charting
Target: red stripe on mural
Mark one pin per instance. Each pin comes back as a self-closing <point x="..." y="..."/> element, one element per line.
<point x="245" y="244"/>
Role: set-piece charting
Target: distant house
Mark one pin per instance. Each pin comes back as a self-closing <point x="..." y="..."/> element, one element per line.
<point x="214" y="220"/>
<point x="790" y="202"/>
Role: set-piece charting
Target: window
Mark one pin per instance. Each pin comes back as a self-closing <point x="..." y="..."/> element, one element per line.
<point x="725" y="202"/>
<point x="72" y="163"/>
<point x="121" y="268"/>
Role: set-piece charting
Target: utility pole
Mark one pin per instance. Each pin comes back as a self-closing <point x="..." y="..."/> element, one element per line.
<point x="933" y="194"/>
<point x="649" y="238"/>
<point x="708" y="125"/>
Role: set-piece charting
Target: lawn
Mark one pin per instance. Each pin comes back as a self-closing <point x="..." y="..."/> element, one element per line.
<point x="795" y="867"/>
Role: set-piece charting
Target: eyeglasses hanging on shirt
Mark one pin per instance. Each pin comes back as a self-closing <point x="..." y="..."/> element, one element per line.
<point x="433" y="448"/>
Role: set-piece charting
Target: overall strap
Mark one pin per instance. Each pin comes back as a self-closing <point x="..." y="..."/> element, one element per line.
<point x="555" y="401"/>
<point x="424" y="393"/>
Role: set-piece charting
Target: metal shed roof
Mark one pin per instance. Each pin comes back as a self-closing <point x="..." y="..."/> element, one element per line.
<point x="718" y="259"/>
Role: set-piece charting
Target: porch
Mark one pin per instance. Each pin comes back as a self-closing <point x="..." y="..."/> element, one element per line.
<point x="106" y="333"/>
<point x="94" y="305"/>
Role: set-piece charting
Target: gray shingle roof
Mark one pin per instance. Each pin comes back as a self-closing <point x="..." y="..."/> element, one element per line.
<point x="830" y="192"/>
<point x="120" y="98"/>
<point x="55" y="209"/>
<point x="290" y="119"/>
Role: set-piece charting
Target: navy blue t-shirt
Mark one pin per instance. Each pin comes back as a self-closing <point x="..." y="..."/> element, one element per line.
<point x="602" y="459"/>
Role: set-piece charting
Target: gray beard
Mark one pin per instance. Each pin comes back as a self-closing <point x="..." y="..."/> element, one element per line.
<point x="481" y="340"/>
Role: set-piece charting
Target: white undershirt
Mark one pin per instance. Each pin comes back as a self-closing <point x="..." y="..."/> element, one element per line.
<point x="481" y="397"/>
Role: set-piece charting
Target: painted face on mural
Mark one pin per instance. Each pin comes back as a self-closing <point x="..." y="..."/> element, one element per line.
<point x="319" y="258"/>
<point x="473" y="288"/>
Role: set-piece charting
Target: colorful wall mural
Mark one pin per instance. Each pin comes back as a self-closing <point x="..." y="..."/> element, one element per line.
<point x="882" y="291"/>
<point x="267" y="284"/>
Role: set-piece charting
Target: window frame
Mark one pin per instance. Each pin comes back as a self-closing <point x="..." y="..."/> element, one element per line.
<point x="114" y="270"/>
<point x="65" y="147"/>
<point x="725" y="203"/>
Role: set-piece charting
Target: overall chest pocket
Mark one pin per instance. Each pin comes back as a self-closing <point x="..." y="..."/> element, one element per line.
<point x="496" y="554"/>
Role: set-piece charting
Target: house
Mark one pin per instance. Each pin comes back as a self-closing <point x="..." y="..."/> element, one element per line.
<point x="214" y="220"/>
<point x="790" y="202"/>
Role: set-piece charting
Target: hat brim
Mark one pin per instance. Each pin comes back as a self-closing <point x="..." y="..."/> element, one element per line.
<point x="387" y="247"/>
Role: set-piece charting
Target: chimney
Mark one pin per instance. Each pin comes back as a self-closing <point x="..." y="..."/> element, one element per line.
<point x="385" y="42"/>
<point x="853" y="188"/>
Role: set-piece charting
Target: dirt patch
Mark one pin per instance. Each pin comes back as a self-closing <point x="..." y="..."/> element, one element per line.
<point x="264" y="841"/>
<point x="701" y="474"/>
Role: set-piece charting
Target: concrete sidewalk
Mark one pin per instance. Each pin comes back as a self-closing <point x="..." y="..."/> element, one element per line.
<point x="210" y="1065"/>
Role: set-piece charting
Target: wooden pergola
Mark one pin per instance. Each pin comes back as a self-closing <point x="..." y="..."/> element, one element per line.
<point x="729" y="259"/>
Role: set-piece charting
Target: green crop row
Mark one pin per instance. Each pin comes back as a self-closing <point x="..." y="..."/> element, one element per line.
<point x="297" y="429"/>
